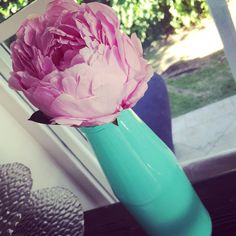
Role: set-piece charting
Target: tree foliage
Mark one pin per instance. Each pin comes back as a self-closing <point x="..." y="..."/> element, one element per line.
<point x="150" y="19"/>
<point x="9" y="7"/>
<point x="187" y="12"/>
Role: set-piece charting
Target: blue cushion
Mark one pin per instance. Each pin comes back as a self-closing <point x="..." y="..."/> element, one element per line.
<point x="154" y="109"/>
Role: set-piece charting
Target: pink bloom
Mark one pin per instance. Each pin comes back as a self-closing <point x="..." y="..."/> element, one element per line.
<point x="75" y="65"/>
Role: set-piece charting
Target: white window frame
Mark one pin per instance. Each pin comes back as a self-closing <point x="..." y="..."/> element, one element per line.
<point x="224" y="23"/>
<point x="66" y="145"/>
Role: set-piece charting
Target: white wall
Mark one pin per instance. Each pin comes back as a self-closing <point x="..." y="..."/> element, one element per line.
<point x="17" y="145"/>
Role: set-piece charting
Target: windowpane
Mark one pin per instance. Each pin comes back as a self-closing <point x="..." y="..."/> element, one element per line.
<point x="201" y="87"/>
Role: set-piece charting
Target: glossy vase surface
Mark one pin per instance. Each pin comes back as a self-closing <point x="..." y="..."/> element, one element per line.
<point x="147" y="179"/>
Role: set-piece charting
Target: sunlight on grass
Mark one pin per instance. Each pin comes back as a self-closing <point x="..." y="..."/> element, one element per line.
<point x="212" y="82"/>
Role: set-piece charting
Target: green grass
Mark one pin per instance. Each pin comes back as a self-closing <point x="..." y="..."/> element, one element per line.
<point x="212" y="82"/>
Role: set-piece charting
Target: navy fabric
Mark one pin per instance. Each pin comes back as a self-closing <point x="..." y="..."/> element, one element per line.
<point x="154" y="110"/>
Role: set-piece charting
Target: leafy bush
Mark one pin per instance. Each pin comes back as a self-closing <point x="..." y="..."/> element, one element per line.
<point x="136" y="16"/>
<point x="187" y="12"/>
<point x="150" y="19"/>
<point x="9" y="7"/>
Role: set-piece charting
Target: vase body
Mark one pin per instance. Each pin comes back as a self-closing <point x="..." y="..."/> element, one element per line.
<point x="146" y="178"/>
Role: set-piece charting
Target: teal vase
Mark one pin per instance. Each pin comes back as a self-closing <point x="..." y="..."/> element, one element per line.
<point x="146" y="178"/>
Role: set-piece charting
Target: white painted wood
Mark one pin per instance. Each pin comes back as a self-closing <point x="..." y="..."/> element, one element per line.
<point x="16" y="145"/>
<point x="220" y="12"/>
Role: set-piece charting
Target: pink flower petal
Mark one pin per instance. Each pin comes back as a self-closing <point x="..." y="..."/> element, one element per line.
<point x="137" y="43"/>
<point x="131" y="54"/>
<point x="106" y="11"/>
<point x="42" y="97"/>
<point x="65" y="105"/>
<point x="75" y="65"/>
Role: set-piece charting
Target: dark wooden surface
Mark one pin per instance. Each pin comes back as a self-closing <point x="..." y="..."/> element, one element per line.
<point x="218" y="195"/>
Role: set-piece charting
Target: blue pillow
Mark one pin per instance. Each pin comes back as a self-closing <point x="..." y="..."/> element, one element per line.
<point x="154" y="109"/>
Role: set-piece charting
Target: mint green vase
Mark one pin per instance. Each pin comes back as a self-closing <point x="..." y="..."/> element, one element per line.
<point x="147" y="179"/>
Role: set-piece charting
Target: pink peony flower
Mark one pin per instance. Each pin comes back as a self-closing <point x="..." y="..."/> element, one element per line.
<point x="75" y="65"/>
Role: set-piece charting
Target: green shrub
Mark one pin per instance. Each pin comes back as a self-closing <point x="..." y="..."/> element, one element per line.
<point x="150" y="19"/>
<point x="136" y="16"/>
<point x="9" y="7"/>
<point x="187" y="12"/>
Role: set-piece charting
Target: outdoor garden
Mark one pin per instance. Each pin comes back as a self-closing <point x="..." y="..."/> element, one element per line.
<point x="171" y="32"/>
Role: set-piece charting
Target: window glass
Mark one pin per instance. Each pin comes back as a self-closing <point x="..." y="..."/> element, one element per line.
<point x="201" y="87"/>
